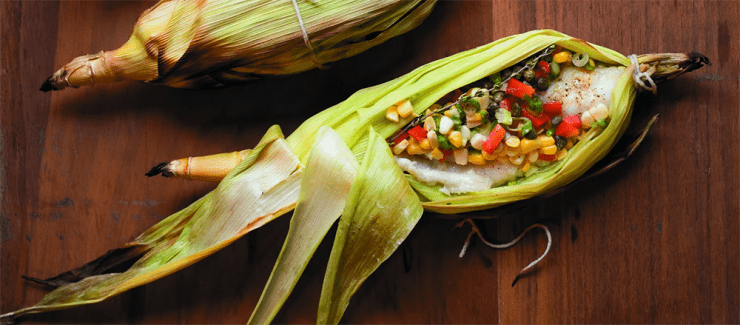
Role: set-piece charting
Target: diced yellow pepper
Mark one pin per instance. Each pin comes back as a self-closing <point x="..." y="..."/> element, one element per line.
<point x="455" y="138"/>
<point x="546" y="141"/>
<point x="437" y="154"/>
<point x="549" y="150"/>
<point x="527" y="145"/>
<point x="476" y="159"/>
<point x="404" y="108"/>
<point x="392" y="114"/>
<point x="488" y="156"/>
<point x="424" y="144"/>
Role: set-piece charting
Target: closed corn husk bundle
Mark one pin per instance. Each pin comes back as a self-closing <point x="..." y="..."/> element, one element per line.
<point x="373" y="223"/>
<point x="207" y="44"/>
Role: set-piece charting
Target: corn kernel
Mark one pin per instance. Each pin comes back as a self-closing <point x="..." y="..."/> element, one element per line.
<point x="533" y="156"/>
<point x="404" y="108"/>
<point x="476" y="159"/>
<point x="474" y="120"/>
<point x="511" y="152"/>
<point x="392" y="114"/>
<point x="561" y="154"/>
<point x="549" y="150"/>
<point x="512" y="142"/>
<point x="461" y="156"/>
<point x="527" y="145"/>
<point x="400" y="147"/>
<point x="455" y="138"/>
<point x="424" y="144"/>
<point x="546" y="141"/>
<point x="488" y="156"/>
<point x="429" y="124"/>
<point x="526" y="166"/>
<point x="437" y="154"/>
<point x="517" y="160"/>
<point x="433" y="140"/>
<point x="503" y="159"/>
<point x="587" y="120"/>
<point x="452" y="113"/>
<point x="561" y="57"/>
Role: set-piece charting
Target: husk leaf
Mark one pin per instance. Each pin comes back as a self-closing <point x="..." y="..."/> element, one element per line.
<point x="328" y="176"/>
<point x="264" y="186"/>
<point x="381" y="211"/>
<point x="207" y="44"/>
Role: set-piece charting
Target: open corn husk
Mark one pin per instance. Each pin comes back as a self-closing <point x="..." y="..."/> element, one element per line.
<point x="206" y="44"/>
<point x="355" y="121"/>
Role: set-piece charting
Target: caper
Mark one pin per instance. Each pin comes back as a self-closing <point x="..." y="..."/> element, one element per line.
<point x="498" y="96"/>
<point x="560" y="142"/>
<point x="488" y="85"/>
<point x="556" y="120"/>
<point x="495" y="78"/>
<point x="529" y="75"/>
<point x="516" y="110"/>
<point x="531" y="135"/>
<point x="547" y="58"/>
<point x="543" y="84"/>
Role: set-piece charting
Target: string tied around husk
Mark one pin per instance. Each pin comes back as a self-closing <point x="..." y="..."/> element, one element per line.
<point x="474" y="230"/>
<point x="314" y="59"/>
<point x="640" y="77"/>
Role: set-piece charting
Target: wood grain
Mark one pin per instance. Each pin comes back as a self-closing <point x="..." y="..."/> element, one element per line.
<point x="654" y="240"/>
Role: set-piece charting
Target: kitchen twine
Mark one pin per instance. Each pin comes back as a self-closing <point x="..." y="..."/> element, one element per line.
<point x="640" y="77"/>
<point x="305" y="34"/>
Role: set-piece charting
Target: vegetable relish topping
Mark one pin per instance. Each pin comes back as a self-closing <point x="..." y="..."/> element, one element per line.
<point x="501" y="119"/>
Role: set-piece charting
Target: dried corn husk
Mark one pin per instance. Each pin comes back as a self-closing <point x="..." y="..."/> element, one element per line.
<point x="206" y="44"/>
<point x="355" y="121"/>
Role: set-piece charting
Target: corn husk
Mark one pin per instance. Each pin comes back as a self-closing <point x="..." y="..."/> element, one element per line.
<point x="355" y="121"/>
<point x="206" y="44"/>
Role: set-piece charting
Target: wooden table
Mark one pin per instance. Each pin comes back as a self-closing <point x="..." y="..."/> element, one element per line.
<point x="654" y="240"/>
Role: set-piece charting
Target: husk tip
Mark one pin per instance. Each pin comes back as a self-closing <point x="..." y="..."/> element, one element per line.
<point x="161" y="168"/>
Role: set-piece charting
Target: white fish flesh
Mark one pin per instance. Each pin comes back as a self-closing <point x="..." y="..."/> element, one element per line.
<point x="579" y="90"/>
<point x="458" y="178"/>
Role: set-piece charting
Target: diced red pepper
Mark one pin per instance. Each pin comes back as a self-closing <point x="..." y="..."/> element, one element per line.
<point x="494" y="138"/>
<point x="445" y="153"/>
<point x="542" y="69"/>
<point x="570" y="126"/>
<point x="518" y="88"/>
<point x="544" y="157"/>
<point x="552" y="108"/>
<point x="537" y="120"/>
<point x="418" y="133"/>
<point x="401" y="137"/>
<point x="507" y="103"/>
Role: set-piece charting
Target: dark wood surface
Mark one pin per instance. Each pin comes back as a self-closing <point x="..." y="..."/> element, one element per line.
<point x="654" y="240"/>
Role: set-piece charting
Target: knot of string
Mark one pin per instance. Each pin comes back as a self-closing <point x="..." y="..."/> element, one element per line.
<point x="305" y="34"/>
<point x="641" y="77"/>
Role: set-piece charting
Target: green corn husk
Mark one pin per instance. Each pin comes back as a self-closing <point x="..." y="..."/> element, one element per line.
<point x="355" y="122"/>
<point x="206" y="44"/>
